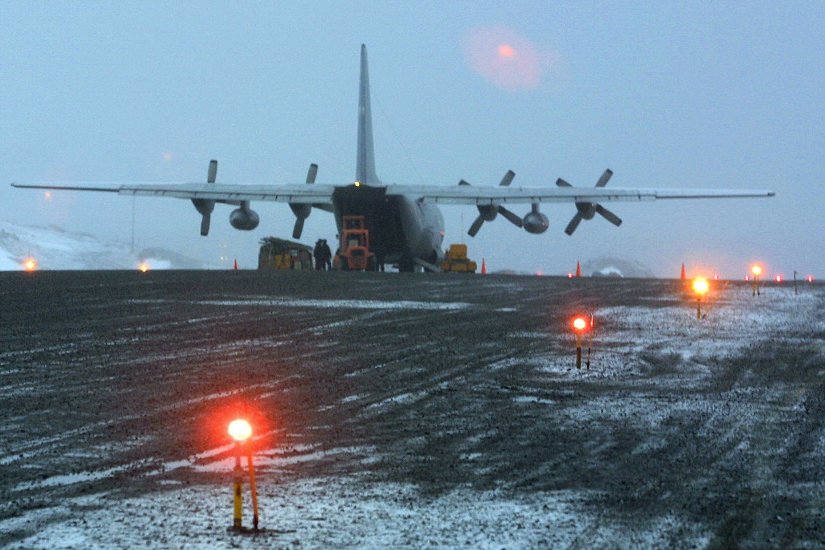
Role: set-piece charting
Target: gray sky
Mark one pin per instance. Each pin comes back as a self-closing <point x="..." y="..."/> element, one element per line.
<point x="666" y="94"/>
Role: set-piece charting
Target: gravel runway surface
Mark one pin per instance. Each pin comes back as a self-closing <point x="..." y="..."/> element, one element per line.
<point x="409" y="410"/>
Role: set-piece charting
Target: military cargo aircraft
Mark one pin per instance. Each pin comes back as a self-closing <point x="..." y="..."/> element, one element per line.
<point x="404" y="221"/>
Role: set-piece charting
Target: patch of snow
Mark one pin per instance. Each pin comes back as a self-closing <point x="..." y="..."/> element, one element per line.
<point x="342" y="513"/>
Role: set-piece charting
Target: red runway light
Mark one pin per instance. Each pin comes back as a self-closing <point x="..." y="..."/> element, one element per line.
<point x="778" y="278"/>
<point x="240" y="430"/>
<point x="579" y="324"/>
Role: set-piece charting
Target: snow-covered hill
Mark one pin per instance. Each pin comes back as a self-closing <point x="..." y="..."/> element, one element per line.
<point x="54" y="248"/>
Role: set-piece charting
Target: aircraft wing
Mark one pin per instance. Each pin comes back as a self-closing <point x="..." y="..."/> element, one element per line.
<point x="461" y="194"/>
<point x="316" y="194"/>
<point x="465" y="194"/>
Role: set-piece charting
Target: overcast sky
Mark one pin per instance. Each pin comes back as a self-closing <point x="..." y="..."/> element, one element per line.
<point x="667" y="94"/>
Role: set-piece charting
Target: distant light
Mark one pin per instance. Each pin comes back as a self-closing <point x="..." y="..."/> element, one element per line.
<point x="778" y="278"/>
<point x="506" y="59"/>
<point x="240" y="430"/>
<point x="143" y="267"/>
<point x="569" y="275"/>
<point x="506" y="50"/>
<point x="700" y="285"/>
<point x="47" y="195"/>
<point x="30" y="264"/>
<point x="756" y="270"/>
<point x="357" y="184"/>
<point x="168" y="156"/>
<point x="716" y="277"/>
<point x="809" y="278"/>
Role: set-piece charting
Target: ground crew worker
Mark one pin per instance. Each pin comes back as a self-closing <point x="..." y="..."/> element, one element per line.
<point x="318" y="254"/>
<point x="326" y="255"/>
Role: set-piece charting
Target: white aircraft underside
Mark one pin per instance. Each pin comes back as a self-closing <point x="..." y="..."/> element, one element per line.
<point x="404" y="221"/>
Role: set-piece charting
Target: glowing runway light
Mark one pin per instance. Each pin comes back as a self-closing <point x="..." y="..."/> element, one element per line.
<point x="809" y="278"/>
<point x="30" y="264"/>
<point x="579" y="324"/>
<point x="143" y="267"/>
<point x="778" y="278"/>
<point x="756" y="270"/>
<point x="700" y="285"/>
<point x="240" y="430"/>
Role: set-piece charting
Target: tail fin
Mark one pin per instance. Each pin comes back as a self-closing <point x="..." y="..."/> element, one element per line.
<point x="365" y="163"/>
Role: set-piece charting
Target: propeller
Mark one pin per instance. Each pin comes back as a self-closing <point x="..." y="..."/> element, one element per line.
<point x="206" y="206"/>
<point x="586" y="210"/>
<point x="489" y="212"/>
<point x="302" y="211"/>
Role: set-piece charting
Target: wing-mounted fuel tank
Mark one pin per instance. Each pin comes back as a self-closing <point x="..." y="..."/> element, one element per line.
<point x="244" y="218"/>
<point x="534" y="221"/>
<point x="206" y="206"/>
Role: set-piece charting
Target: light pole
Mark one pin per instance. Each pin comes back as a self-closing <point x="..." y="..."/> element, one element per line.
<point x="700" y="287"/>
<point x="580" y="326"/>
<point x="240" y="430"/>
<point x="756" y="270"/>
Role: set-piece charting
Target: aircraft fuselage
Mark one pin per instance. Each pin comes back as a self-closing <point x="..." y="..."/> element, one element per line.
<point x="401" y="228"/>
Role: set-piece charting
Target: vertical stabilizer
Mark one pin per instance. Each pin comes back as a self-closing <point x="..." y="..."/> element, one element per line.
<point x="365" y="164"/>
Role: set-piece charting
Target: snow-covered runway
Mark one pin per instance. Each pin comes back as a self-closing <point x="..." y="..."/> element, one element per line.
<point x="404" y="410"/>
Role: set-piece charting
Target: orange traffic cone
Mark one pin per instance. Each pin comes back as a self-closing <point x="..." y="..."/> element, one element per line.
<point x="683" y="276"/>
<point x="235" y="265"/>
<point x="578" y="269"/>
<point x="483" y="267"/>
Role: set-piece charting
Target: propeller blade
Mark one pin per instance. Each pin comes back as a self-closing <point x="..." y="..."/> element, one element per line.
<point x="299" y="228"/>
<point x="211" y="176"/>
<point x="605" y="178"/>
<point x="313" y="171"/>
<point x="608" y="215"/>
<point x="574" y="223"/>
<point x="476" y="226"/>
<point x="512" y="218"/>
<point x="205" y="219"/>
<point x="507" y="179"/>
<point x="561" y="183"/>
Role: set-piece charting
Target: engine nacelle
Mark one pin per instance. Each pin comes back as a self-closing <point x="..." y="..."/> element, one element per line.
<point x="535" y="222"/>
<point x="301" y="210"/>
<point x="586" y="209"/>
<point x="204" y="206"/>
<point x="488" y="212"/>
<point x="244" y="219"/>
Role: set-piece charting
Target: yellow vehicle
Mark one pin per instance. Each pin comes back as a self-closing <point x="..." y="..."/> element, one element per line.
<point x="283" y="255"/>
<point x="354" y="250"/>
<point x="456" y="260"/>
